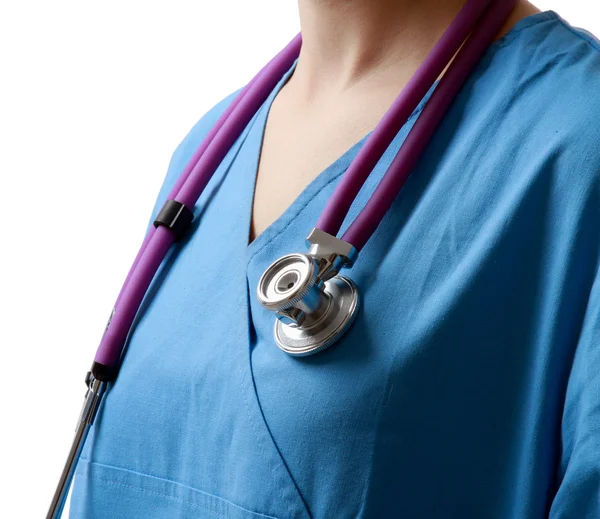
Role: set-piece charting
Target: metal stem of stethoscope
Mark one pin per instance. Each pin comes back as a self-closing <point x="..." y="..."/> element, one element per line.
<point x="314" y="306"/>
<point x="91" y="403"/>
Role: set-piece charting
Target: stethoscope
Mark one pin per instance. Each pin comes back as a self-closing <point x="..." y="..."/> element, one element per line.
<point x="313" y="304"/>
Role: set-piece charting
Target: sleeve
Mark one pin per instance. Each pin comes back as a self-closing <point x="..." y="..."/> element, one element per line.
<point x="186" y="149"/>
<point x="578" y="492"/>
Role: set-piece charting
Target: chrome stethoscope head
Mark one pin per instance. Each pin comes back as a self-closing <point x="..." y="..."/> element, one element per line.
<point x="313" y="304"/>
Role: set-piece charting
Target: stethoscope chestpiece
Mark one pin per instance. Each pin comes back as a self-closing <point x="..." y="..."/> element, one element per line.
<point x="314" y="306"/>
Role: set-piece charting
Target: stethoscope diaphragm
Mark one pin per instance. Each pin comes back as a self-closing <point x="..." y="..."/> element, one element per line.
<point x="312" y="314"/>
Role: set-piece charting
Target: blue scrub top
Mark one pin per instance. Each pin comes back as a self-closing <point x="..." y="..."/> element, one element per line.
<point x="469" y="384"/>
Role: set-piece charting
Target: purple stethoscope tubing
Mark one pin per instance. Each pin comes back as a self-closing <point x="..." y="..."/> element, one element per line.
<point x="187" y="190"/>
<point x="192" y="163"/>
<point x="397" y="115"/>
<point x="478" y="23"/>
<point x="369" y="218"/>
<point x="477" y="18"/>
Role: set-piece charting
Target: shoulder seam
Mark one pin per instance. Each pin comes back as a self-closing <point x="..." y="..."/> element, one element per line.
<point x="516" y="31"/>
<point x="594" y="44"/>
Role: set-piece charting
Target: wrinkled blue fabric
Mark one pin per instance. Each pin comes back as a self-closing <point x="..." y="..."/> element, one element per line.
<point x="469" y="385"/>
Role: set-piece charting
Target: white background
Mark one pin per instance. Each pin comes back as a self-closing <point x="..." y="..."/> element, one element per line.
<point x="94" y="97"/>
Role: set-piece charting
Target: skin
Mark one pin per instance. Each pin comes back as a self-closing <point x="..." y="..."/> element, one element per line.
<point x="356" y="57"/>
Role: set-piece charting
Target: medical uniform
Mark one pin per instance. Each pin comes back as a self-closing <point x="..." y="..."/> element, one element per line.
<point x="469" y="384"/>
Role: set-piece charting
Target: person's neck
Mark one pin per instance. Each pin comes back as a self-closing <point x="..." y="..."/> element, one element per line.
<point x="348" y="41"/>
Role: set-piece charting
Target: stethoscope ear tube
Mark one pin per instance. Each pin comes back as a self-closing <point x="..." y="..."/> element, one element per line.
<point x="155" y="246"/>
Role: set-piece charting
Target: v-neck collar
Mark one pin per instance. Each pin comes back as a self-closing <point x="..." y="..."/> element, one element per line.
<point x="337" y="168"/>
<point x="341" y="164"/>
<point x="332" y="172"/>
